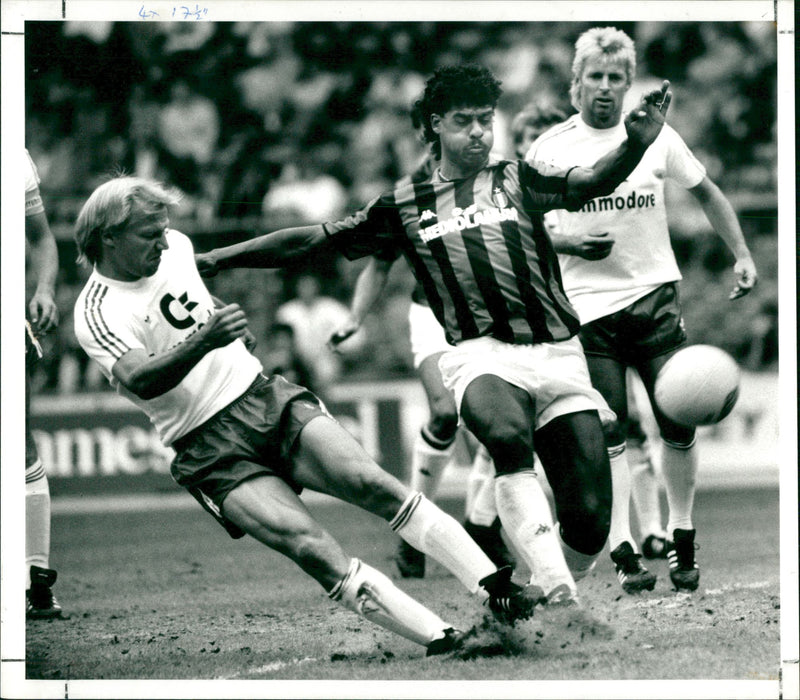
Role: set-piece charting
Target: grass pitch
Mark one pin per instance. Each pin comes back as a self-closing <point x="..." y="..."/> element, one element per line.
<point x="168" y="595"/>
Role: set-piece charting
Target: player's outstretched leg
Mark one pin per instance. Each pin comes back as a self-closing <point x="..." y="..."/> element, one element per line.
<point x="329" y="460"/>
<point x="269" y="510"/>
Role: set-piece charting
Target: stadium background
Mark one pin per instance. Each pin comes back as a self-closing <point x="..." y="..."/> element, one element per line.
<point x="263" y="125"/>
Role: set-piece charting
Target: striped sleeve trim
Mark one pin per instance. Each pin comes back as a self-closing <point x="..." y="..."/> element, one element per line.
<point x="93" y="315"/>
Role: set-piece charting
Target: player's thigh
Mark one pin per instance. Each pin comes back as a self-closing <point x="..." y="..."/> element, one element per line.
<point x="670" y="430"/>
<point x="269" y="510"/>
<point x="328" y="459"/>
<point x="608" y="377"/>
<point x="501" y="416"/>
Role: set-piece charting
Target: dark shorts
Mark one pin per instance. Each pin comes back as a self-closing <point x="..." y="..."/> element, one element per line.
<point x="649" y="327"/>
<point x="253" y="436"/>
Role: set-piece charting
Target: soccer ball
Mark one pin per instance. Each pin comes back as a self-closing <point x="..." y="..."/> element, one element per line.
<point x="698" y="385"/>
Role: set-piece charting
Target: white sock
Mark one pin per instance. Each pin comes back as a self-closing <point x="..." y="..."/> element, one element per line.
<point x="620" y="505"/>
<point x="645" y="490"/>
<point x="372" y="595"/>
<point x="37" y="519"/>
<point x="528" y="522"/>
<point x="579" y="564"/>
<point x="436" y="534"/>
<point x="428" y="461"/>
<point x="679" y="467"/>
<point x="481" y="506"/>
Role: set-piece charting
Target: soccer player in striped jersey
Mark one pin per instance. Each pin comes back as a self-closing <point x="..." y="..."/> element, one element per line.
<point x="620" y="274"/>
<point x="475" y="241"/>
<point x="245" y="444"/>
<point x="42" y="318"/>
<point x="433" y="448"/>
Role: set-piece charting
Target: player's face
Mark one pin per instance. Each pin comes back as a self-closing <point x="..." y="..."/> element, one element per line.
<point x="603" y="85"/>
<point x="136" y="251"/>
<point x="467" y="137"/>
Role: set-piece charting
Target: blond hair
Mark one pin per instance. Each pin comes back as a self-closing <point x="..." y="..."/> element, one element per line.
<point x="601" y="43"/>
<point x="112" y="205"/>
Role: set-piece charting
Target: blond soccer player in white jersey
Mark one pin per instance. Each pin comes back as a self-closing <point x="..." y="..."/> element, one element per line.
<point x="246" y="445"/>
<point x="620" y="274"/>
<point x="41" y="318"/>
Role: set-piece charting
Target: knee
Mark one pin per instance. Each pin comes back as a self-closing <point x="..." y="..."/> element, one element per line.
<point x="510" y="436"/>
<point x="613" y="432"/>
<point x="585" y="525"/>
<point x="443" y="422"/>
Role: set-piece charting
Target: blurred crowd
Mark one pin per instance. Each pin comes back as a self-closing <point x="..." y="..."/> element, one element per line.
<point x="265" y="124"/>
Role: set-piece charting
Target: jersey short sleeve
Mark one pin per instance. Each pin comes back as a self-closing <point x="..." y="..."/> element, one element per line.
<point x="370" y="231"/>
<point x="103" y="327"/>
<point x="547" y="184"/>
<point x="33" y="199"/>
<point x="682" y="165"/>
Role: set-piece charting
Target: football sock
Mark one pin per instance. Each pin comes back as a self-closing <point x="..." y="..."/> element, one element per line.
<point x="436" y="534"/>
<point x="644" y="490"/>
<point x="372" y="595"/>
<point x="37" y="518"/>
<point x="679" y="466"/>
<point x="481" y="506"/>
<point x="528" y="522"/>
<point x="429" y="458"/>
<point x="620" y="506"/>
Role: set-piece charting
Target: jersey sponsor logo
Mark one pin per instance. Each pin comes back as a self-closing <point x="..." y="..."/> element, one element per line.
<point x="632" y="201"/>
<point x="180" y="323"/>
<point x="427" y="215"/>
<point x="471" y="217"/>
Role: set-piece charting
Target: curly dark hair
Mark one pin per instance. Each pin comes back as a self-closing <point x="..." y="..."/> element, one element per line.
<point x="469" y="85"/>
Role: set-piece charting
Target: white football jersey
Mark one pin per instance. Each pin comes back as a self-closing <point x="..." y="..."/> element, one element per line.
<point x="155" y="314"/>
<point x="642" y="257"/>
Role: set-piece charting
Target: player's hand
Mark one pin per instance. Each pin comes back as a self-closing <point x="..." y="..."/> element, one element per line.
<point x="746" y="277"/>
<point x="644" y="122"/>
<point x="43" y="312"/>
<point x="594" y="246"/>
<point x="342" y="333"/>
<point x="206" y="264"/>
<point x="226" y="325"/>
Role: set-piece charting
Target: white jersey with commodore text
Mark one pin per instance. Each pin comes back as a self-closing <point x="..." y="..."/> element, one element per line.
<point x="642" y="257"/>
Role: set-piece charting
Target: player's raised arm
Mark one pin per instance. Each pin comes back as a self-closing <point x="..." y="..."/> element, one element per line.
<point x="643" y="125"/>
<point x="275" y="249"/>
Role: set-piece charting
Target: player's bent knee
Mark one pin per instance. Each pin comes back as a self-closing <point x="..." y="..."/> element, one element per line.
<point x="443" y="423"/>
<point x="613" y="432"/>
<point x="586" y="528"/>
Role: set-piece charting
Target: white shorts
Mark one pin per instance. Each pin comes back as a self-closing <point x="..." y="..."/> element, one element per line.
<point x="554" y="374"/>
<point x="426" y="334"/>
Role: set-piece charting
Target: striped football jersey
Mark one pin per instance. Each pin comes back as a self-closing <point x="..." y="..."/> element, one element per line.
<point x="478" y="248"/>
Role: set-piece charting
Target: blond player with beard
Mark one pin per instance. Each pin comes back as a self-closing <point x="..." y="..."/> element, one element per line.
<point x="620" y="274"/>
